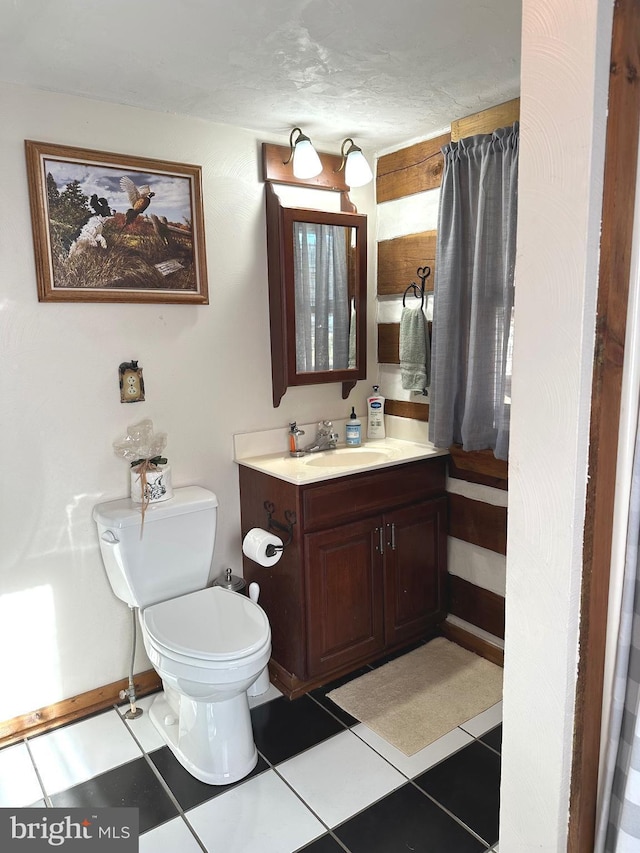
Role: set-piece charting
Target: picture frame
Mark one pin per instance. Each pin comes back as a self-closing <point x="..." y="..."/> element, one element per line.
<point x="115" y="228"/>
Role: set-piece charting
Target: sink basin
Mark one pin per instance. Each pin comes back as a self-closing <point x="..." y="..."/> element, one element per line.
<point x="347" y="457"/>
<point x="342" y="462"/>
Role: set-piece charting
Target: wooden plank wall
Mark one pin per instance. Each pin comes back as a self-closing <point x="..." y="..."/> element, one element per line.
<point x="403" y="173"/>
<point x="477" y="606"/>
<point x="399" y="258"/>
<point x="478" y="466"/>
<point x="486" y="121"/>
<point x="480" y="523"/>
<point x="485" y="525"/>
<point x="410" y="170"/>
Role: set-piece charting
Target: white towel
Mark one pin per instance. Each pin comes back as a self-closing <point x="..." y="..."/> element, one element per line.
<point x="415" y="352"/>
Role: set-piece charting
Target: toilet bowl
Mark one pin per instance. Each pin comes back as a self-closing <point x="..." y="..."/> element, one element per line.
<point x="208" y="647"/>
<point x="208" y="644"/>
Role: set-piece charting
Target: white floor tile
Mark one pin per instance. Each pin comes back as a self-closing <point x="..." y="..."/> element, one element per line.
<point x="260" y="816"/>
<point x="142" y="727"/>
<point x="19" y="784"/>
<point x="412" y="765"/>
<point x="73" y="754"/>
<point x="340" y="776"/>
<point x="485" y="721"/>
<point x="168" y="838"/>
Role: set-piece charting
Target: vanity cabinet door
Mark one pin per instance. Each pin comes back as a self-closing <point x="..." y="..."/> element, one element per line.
<point x="344" y="592"/>
<point x="415" y="570"/>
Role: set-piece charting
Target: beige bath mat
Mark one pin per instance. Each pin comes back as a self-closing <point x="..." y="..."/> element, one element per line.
<point x="421" y="696"/>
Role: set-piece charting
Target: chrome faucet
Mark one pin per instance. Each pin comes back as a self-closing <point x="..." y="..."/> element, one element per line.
<point x="326" y="438"/>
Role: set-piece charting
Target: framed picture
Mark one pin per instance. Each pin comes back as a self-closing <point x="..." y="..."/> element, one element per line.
<point x="113" y="228"/>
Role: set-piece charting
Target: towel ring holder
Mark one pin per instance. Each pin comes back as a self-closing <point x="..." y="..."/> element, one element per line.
<point x="423" y="274"/>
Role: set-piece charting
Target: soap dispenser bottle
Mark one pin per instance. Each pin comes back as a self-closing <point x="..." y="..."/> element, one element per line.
<point x="294" y="436"/>
<point x="354" y="430"/>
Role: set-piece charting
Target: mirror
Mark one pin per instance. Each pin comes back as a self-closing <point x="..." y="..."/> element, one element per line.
<point x="317" y="296"/>
<point x="324" y="304"/>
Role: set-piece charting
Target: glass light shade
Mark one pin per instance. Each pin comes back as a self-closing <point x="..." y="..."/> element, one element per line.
<point x="357" y="171"/>
<point x="306" y="163"/>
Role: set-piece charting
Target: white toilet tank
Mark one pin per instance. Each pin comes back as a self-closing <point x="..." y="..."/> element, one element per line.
<point x="173" y="555"/>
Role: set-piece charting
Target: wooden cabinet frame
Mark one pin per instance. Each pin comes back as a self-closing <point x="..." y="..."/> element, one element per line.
<point x="364" y="574"/>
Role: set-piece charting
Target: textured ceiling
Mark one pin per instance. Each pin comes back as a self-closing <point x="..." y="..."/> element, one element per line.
<point x="382" y="72"/>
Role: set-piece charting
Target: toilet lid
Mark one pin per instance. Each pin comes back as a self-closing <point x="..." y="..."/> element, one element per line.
<point x="211" y="624"/>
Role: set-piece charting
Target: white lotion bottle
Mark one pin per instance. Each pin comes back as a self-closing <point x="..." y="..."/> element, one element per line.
<point x="375" y="414"/>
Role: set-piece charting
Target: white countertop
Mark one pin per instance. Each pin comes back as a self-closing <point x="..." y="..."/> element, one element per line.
<point x="329" y="464"/>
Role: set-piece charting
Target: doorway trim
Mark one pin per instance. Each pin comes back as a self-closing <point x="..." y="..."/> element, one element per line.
<point x="621" y="154"/>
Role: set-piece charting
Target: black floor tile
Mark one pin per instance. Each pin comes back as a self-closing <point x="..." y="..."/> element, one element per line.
<point x="320" y="695"/>
<point x="132" y="784"/>
<point x="282" y="728"/>
<point x="468" y="785"/>
<point x="324" y="844"/>
<point x="493" y="738"/>
<point x="188" y="790"/>
<point x="406" y="820"/>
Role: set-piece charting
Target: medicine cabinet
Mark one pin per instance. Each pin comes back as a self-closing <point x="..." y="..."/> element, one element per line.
<point x="317" y="294"/>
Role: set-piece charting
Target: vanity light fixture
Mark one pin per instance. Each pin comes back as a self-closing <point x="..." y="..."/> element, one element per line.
<point x="306" y="163"/>
<point x="357" y="171"/>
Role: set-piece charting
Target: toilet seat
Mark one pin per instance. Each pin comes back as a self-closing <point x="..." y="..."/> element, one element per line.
<point x="212" y="624"/>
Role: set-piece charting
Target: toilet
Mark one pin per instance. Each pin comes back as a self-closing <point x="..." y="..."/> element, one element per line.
<point x="208" y="644"/>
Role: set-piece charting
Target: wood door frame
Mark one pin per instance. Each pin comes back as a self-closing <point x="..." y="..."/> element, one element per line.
<point x="618" y="202"/>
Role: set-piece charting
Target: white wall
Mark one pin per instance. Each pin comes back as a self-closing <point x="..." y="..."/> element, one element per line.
<point x="207" y="376"/>
<point x="565" y="55"/>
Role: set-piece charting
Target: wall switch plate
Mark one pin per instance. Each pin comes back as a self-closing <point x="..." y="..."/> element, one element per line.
<point x="131" y="382"/>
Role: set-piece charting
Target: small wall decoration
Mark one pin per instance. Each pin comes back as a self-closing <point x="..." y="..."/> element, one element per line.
<point x="113" y="228"/>
<point x="131" y="382"/>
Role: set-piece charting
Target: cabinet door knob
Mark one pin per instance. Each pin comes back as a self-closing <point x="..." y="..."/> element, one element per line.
<point x="380" y="546"/>
<point x="392" y="540"/>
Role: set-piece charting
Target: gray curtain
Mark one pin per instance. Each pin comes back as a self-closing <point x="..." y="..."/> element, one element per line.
<point x="473" y="300"/>
<point x="619" y="812"/>
<point x="321" y="297"/>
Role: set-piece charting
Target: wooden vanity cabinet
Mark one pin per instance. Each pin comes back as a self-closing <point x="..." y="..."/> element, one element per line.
<point x="364" y="574"/>
<point x="344" y="596"/>
<point x="415" y="556"/>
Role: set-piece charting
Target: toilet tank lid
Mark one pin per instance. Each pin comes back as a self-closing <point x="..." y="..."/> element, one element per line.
<point x="125" y="513"/>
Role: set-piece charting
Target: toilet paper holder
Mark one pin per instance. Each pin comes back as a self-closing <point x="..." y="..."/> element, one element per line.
<point x="274" y="524"/>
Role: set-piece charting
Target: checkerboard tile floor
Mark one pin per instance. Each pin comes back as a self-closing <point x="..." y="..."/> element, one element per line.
<point x="324" y="783"/>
